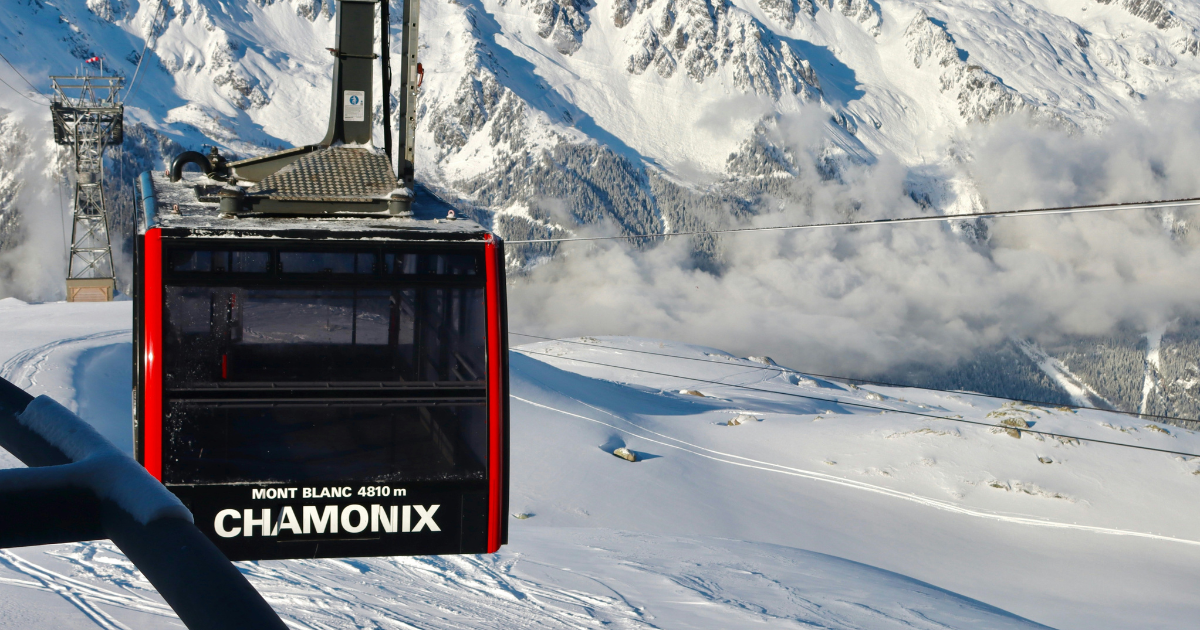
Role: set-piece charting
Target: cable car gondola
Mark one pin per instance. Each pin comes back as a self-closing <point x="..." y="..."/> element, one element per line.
<point x="320" y="363"/>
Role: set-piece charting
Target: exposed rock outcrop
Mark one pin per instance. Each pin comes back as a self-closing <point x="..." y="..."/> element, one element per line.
<point x="981" y="95"/>
<point x="625" y="454"/>
<point x="786" y="11"/>
<point x="562" y="22"/>
<point x="1152" y="11"/>
<point x="704" y="36"/>
<point x="865" y="12"/>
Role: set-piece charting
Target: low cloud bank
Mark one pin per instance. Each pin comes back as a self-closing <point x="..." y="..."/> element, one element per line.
<point x="863" y="300"/>
<point x="34" y="203"/>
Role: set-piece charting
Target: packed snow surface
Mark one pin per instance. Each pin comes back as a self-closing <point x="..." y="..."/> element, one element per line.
<point x="827" y="505"/>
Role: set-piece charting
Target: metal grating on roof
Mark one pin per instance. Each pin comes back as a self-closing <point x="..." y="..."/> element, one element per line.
<point x="335" y="174"/>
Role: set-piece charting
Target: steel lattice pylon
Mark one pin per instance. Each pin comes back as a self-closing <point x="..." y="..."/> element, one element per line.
<point x="88" y="117"/>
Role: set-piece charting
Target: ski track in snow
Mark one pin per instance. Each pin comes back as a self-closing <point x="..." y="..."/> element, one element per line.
<point x="574" y="579"/>
<point x="82" y="595"/>
<point x="850" y="483"/>
<point x="450" y="592"/>
<point x="453" y="592"/>
<point x="457" y="592"/>
<point x="22" y="369"/>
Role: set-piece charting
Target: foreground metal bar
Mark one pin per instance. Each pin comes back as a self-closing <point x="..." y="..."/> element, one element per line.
<point x="191" y="574"/>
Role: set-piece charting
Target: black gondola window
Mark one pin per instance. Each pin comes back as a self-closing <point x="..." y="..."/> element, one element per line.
<point x="233" y="334"/>
<point x="431" y="264"/>
<point x="385" y="375"/>
<point x="327" y="262"/>
<point x="248" y="442"/>
<point x="219" y="261"/>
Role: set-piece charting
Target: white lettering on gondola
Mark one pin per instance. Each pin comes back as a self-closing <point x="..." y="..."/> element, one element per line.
<point x="249" y="523"/>
<point x="350" y="527"/>
<point x="219" y="524"/>
<point x="387" y="520"/>
<point x="326" y="519"/>
<point x="273" y="493"/>
<point x="426" y="518"/>
<point x="287" y="521"/>
<point x="343" y="492"/>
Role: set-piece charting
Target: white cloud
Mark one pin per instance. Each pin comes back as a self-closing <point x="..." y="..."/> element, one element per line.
<point x="863" y="300"/>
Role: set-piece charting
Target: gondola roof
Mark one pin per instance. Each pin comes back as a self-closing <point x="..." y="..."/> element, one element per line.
<point x="191" y="207"/>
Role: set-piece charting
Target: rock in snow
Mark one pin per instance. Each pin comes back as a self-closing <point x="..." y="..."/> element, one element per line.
<point x="625" y="454"/>
<point x="742" y="418"/>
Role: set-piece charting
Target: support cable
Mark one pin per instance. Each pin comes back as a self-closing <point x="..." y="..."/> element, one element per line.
<point x="19" y="92"/>
<point x="866" y="406"/>
<point x="31" y="86"/>
<point x="129" y="91"/>
<point x="1141" y="205"/>
<point x="851" y="379"/>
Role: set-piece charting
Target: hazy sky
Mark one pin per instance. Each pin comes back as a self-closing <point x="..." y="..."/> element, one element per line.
<point x="862" y="300"/>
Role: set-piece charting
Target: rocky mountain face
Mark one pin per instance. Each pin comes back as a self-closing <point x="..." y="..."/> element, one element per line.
<point x="683" y="89"/>
<point x="558" y="117"/>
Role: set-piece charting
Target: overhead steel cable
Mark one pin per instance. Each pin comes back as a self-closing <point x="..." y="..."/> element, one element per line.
<point x="1140" y="205"/>
<point x="866" y="406"/>
<point x="19" y="92"/>
<point x="851" y="379"/>
<point x="129" y="91"/>
<point x="10" y="64"/>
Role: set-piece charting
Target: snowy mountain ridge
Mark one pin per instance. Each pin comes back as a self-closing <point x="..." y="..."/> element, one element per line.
<point x="893" y="77"/>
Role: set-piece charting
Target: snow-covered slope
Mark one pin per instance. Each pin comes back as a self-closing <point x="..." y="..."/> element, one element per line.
<point x="1017" y="519"/>
<point x="548" y="578"/>
<point x="717" y="525"/>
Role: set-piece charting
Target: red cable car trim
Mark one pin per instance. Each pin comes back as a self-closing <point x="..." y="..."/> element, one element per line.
<point x="152" y="301"/>
<point x="495" y="402"/>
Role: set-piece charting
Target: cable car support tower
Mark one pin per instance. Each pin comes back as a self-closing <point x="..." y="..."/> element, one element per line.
<point x="88" y="117"/>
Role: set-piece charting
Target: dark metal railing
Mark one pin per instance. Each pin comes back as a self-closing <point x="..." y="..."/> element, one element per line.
<point x="79" y="487"/>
